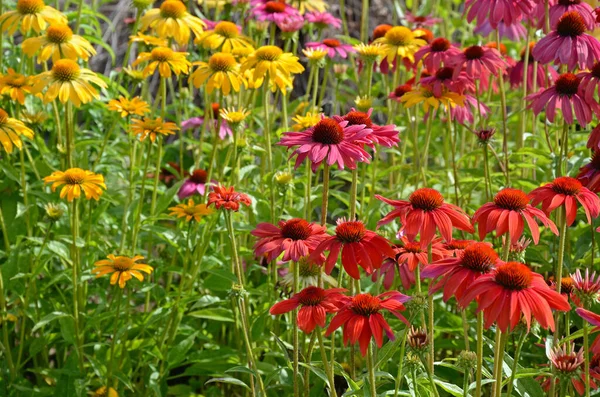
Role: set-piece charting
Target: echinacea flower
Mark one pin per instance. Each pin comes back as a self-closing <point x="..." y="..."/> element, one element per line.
<point x="513" y="32"/>
<point x="315" y="55"/>
<point x="323" y="20"/>
<point x="479" y="62"/>
<point x="190" y="210"/>
<point x="586" y="287"/>
<point x="76" y="180"/>
<point x="329" y="141"/>
<point x="227" y="198"/>
<point x="436" y="54"/>
<point x="15" y="85"/>
<point x="31" y="14"/>
<point x="561" y="7"/>
<point x="425" y="212"/>
<point x="314" y="303"/>
<point x="568" y="366"/>
<point x="69" y="82"/>
<point x="511" y="292"/>
<point x="567" y="96"/>
<point x="271" y="61"/>
<point x="225" y="37"/>
<point x="589" y="82"/>
<point x="444" y="80"/>
<point x="233" y="116"/>
<point x="152" y="127"/>
<point x="568" y="44"/>
<point x="122" y="269"/>
<point x="589" y="174"/>
<point x="455" y="247"/>
<point x="425" y="95"/>
<point x="458" y="273"/>
<point x="127" y="107"/>
<point x="58" y="42"/>
<point x="399" y="92"/>
<point x="305" y="122"/>
<point x="567" y="192"/>
<point x="221" y="72"/>
<point x="421" y="20"/>
<point x="496" y="11"/>
<point x="295" y="238"/>
<point x="593" y="319"/>
<point x="311" y="6"/>
<point x="400" y="42"/>
<point x="517" y="72"/>
<point x="194" y="184"/>
<point x="165" y="59"/>
<point x="508" y="213"/>
<point x="101" y="392"/>
<point x="361" y="318"/>
<point x="464" y="114"/>
<point x="12" y="131"/>
<point x="333" y="47"/>
<point x="148" y="40"/>
<point x="387" y="271"/>
<point x="385" y="135"/>
<point x="172" y="20"/>
<point x="413" y="254"/>
<point x="358" y="247"/>
<point x="274" y="11"/>
<point x="309" y="273"/>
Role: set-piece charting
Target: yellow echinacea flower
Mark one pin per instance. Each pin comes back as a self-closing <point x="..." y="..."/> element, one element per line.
<point x="166" y="60"/>
<point x="58" y="42"/>
<point x="426" y="96"/>
<point x="15" y="85"/>
<point x="400" y="42"/>
<point x="221" y="72"/>
<point x="190" y="211"/>
<point x="127" y="107"/>
<point x="31" y="14"/>
<point x="153" y="127"/>
<point x="122" y="269"/>
<point x="225" y="37"/>
<point x="76" y="180"/>
<point x="172" y="20"/>
<point x="11" y="131"/>
<point x="271" y="61"/>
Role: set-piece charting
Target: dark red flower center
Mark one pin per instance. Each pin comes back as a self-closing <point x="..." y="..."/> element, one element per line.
<point x="440" y="45"/>
<point x="420" y="19"/>
<point x="328" y="132"/>
<point x="566" y="285"/>
<point x="567" y="84"/>
<point x="381" y="30"/>
<point x="332" y="43"/>
<point x="444" y="73"/>
<point x="296" y="229"/>
<point x="350" y="232"/>
<point x="568" y="2"/>
<point x="198" y="176"/>
<point x="514" y="276"/>
<point x="571" y="24"/>
<point x="402" y="89"/>
<point x="458" y="244"/>
<point x="413" y="248"/>
<point x="311" y="296"/>
<point x="275" y="7"/>
<point x="511" y="199"/>
<point x="215" y="109"/>
<point x="358" y="118"/>
<point x="566" y="185"/>
<point x="365" y="305"/>
<point x="595" y="361"/>
<point x="596" y="70"/>
<point x="479" y="257"/>
<point x="426" y="199"/>
<point x="474" y="52"/>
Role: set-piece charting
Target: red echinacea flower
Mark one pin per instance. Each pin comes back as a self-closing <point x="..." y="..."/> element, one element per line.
<point x="316" y="303"/>
<point x="385" y="135"/>
<point x="194" y="184"/>
<point x="296" y="238"/>
<point x="568" y="44"/>
<point x="509" y="212"/>
<point x="512" y="291"/>
<point x="358" y="246"/>
<point x="590" y="82"/>
<point x="567" y="96"/>
<point x="566" y="191"/>
<point x="478" y="62"/>
<point x="458" y="273"/>
<point x="496" y="11"/>
<point x="593" y="319"/>
<point x="413" y="253"/>
<point x="328" y="141"/>
<point x="333" y="47"/>
<point x="436" y="54"/>
<point x="361" y="318"/>
<point x="227" y="198"/>
<point x="424" y="212"/>
<point x="589" y="174"/>
<point x="533" y="69"/>
<point x="569" y="366"/>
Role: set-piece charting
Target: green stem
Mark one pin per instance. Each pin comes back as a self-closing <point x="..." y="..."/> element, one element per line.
<point x="515" y="366"/>
<point x="371" y="367"/>
<point x="486" y="172"/>
<point x="586" y="357"/>
<point x="138" y="218"/>
<point x="25" y="197"/>
<point x="307" y="193"/>
<point x="399" y="377"/>
<point x="499" y="360"/>
<point x="75" y="274"/>
<point x="328" y="368"/>
<point x="426" y="148"/>
<point x="504" y="116"/>
<point x="325" y="198"/>
<point x="267" y="132"/>
<point x="364" y="21"/>
<point x="4" y="324"/>
<point x="295" y="331"/>
<point x="4" y="232"/>
<point x="78" y="19"/>
<point x="478" y="373"/>
<point x="353" y="189"/>
<point x="466" y="383"/>
<point x="562" y="238"/>
<point x="115" y="330"/>
<point x="430" y="377"/>
<point x="70" y="135"/>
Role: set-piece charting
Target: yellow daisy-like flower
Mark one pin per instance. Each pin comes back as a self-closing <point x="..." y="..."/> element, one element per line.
<point x="58" y="42"/>
<point x="152" y="127"/>
<point x="221" y="71"/>
<point x="127" y="107"/>
<point x="76" y="180"/>
<point x="250" y="82"/>
<point x="311" y="5"/>
<point x="167" y="61"/>
<point x="190" y="211"/>
<point x="11" y="131"/>
<point x="426" y="96"/>
<point x="363" y="103"/>
<point x="68" y="82"/>
<point x="225" y="37"/>
<point x="149" y="40"/>
<point x="242" y="53"/>
<point x="16" y="85"/>
<point x="101" y="392"/>
<point x="122" y="268"/>
<point x="233" y="116"/>
<point x="306" y="121"/>
<point x="172" y="20"/>
<point x="31" y="14"/>
<point x="369" y="52"/>
<point x="315" y="55"/>
<point x="272" y="61"/>
<point x="401" y="42"/>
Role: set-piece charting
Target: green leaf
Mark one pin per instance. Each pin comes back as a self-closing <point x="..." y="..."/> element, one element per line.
<point x="178" y="352"/>
<point x="48" y="318"/>
<point x="215" y="314"/>
<point x="165" y="200"/>
<point x="229" y="380"/>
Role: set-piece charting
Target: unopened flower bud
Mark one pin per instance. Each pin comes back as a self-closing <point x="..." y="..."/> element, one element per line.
<point x="417" y="339"/>
<point x="467" y="360"/>
<point x="54" y="211"/>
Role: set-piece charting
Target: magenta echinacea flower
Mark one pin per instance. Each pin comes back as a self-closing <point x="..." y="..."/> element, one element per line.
<point x="436" y="54"/>
<point x="333" y="47"/>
